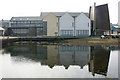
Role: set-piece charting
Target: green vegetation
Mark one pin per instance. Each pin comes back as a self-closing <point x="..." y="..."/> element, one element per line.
<point x="90" y="41"/>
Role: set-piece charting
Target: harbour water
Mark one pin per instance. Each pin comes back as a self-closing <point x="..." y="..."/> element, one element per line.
<point x="59" y="61"/>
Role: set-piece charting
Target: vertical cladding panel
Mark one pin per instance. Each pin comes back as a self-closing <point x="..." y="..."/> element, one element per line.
<point x="102" y="20"/>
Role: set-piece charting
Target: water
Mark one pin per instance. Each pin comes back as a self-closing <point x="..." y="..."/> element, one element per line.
<point x="53" y="61"/>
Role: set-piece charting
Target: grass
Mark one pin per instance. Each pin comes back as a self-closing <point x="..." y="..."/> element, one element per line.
<point x="90" y="41"/>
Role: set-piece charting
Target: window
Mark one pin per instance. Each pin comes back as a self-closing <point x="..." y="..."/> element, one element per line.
<point x="82" y="32"/>
<point x="66" y="32"/>
<point x="18" y="31"/>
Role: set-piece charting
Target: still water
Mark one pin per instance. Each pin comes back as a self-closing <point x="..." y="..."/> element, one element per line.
<point x="53" y="61"/>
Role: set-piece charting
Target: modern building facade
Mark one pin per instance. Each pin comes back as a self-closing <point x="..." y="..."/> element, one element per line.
<point x="100" y="18"/>
<point x="27" y="26"/>
<point x="52" y="24"/>
<point x="66" y="27"/>
<point x="82" y="25"/>
<point x="67" y="23"/>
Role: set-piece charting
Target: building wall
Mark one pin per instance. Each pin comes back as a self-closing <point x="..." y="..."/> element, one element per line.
<point x="28" y="27"/>
<point x="52" y="24"/>
<point x="119" y="14"/>
<point x="102" y="20"/>
<point x="66" y="23"/>
<point x="82" y="24"/>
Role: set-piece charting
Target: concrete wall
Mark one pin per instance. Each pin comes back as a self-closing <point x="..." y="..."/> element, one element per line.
<point x="66" y="23"/>
<point x="52" y="24"/>
<point x="119" y="14"/>
<point x="82" y="22"/>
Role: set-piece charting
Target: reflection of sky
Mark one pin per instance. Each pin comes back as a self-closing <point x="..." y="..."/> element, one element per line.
<point x="32" y="69"/>
<point x="113" y="64"/>
<point x="0" y="63"/>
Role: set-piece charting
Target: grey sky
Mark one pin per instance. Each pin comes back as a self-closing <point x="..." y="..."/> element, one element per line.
<point x="10" y="8"/>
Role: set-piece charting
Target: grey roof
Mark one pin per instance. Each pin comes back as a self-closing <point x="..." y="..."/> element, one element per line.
<point x="4" y="21"/>
<point x="25" y="18"/>
<point x="59" y="14"/>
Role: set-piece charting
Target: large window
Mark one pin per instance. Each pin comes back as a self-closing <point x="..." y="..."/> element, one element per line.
<point x="66" y="32"/>
<point x="27" y="24"/>
<point x="18" y="31"/>
<point x="82" y="32"/>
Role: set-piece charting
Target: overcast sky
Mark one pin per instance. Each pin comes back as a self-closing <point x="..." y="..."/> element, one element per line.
<point x="10" y="8"/>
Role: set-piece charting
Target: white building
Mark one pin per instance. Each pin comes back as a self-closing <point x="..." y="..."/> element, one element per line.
<point x="82" y="25"/>
<point x="72" y="23"/>
<point x="66" y="27"/>
<point x="119" y="14"/>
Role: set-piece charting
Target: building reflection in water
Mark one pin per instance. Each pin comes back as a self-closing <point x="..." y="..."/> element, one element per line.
<point x="74" y="55"/>
<point x="96" y="57"/>
<point x="99" y="60"/>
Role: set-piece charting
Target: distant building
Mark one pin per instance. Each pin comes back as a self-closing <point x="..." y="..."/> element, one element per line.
<point x="100" y="17"/>
<point x="118" y="29"/>
<point x="1" y="31"/>
<point x="119" y="14"/>
<point x="67" y="23"/>
<point x="4" y="23"/>
<point x="27" y="26"/>
<point x="113" y="30"/>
